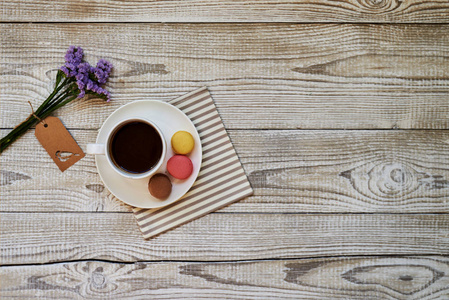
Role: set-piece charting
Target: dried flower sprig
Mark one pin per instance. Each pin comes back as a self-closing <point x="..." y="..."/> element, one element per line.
<point x="74" y="80"/>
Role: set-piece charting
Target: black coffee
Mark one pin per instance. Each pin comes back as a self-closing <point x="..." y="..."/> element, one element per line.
<point x="136" y="147"/>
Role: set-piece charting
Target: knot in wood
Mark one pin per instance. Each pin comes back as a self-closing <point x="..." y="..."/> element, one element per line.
<point x="406" y="279"/>
<point x="98" y="280"/>
<point x="392" y="180"/>
<point x="379" y="6"/>
<point x="389" y="181"/>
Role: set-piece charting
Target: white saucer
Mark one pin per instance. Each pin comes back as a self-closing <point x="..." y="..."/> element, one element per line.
<point x="170" y="120"/>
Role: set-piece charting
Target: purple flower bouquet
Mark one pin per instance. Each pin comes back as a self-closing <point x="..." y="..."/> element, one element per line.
<point x="75" y="79"/>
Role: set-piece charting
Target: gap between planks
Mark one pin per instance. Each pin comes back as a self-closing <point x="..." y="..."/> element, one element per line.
<point x="224" y="261"/>
<point x="220" y="23"/>
<point x="286" y="129"/>
<point x="237" y="213"/>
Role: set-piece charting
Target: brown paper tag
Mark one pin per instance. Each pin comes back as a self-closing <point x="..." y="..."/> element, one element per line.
<point x="58" y="142"/>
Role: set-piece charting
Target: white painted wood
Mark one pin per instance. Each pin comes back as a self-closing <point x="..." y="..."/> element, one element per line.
<point x="360" y="185"/>
<point x="32" y="238"/>
<point x="422" y="11"/>
<point x="326" y="76"/>
<point x="290" y="171"/>
<point x="336" y="278"/>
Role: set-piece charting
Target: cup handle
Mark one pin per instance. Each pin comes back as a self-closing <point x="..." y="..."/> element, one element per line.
<point x="96" y="149"/>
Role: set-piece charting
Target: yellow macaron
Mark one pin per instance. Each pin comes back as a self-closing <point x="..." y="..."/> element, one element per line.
<point x="182" y="142"/>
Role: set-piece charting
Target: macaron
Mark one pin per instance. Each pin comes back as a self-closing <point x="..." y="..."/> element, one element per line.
<point x="182" y="142"/>
<point x="180" y="166"/>
<point x="160" y="186"/>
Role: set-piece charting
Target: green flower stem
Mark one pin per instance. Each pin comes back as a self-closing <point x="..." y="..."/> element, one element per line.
<point x="54" y="101"/>
<point x="61" y="104"/>
<point x="55" y="91"/>
<point x="60" y="97"/>
<point x="17" y="132"/>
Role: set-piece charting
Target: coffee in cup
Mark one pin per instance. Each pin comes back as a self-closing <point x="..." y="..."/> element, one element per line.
<point x="135" y="148"/>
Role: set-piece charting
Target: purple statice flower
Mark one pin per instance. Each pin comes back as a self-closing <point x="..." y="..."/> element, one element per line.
<point x="73" y="58"/>
<point x="82" y="78"/>
<point x="102" y="71"/>
<point x="85" y="80"/>
<point x="101" y="91"/>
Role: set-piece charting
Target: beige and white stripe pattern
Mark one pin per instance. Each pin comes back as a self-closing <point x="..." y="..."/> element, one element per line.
<point x="221" y="180"/>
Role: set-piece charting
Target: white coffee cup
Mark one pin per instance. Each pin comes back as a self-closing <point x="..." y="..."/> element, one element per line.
<point x="104" y="149"/>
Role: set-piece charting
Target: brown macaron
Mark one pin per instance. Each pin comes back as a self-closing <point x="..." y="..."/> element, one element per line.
<point x="160" y="186"/>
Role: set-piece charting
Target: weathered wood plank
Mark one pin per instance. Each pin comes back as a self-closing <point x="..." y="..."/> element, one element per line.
<point x="261" y="76"/>
<point x="422" y="11"/>
<point x="332" y="278"/>
<point x="290" y="171"/>
<point x="51" y="237"/>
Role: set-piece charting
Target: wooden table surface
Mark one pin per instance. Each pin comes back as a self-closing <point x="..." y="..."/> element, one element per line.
<point x="338" y="110"/>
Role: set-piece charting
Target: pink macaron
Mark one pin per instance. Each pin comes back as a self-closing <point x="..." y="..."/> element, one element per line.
<point x="180" y="166"/>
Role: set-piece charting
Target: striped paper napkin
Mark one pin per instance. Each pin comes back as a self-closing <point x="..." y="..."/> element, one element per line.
<point x="221" y="180"/>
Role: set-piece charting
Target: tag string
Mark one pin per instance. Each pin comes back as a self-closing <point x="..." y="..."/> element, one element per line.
<point x="33" y="115"/>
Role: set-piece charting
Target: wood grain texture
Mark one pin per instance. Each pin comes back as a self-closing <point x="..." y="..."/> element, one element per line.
<point x="30" y="238"/>
<point x="290" y="171"/>
<point x="421" y="11"/>
<point x="326" y="201"/>
<point x="315" y="76"/>
<point x="334" y="278"/>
